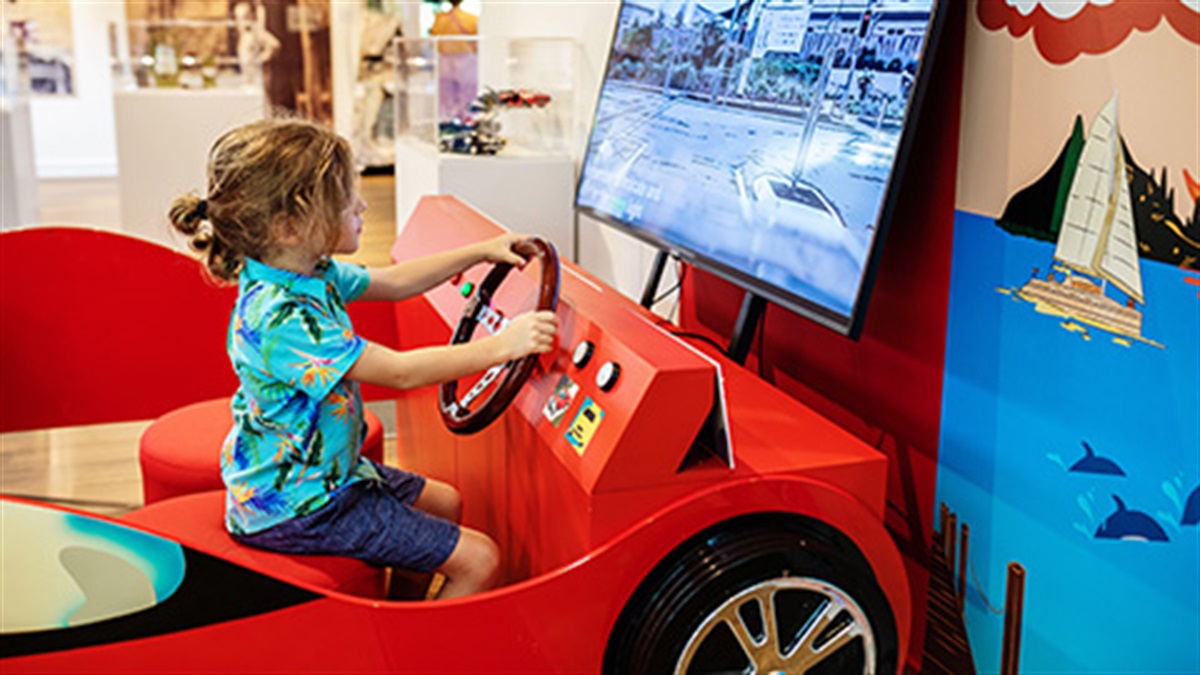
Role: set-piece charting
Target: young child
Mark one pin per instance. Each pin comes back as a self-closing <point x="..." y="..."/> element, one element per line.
<point x="282" y="198"/>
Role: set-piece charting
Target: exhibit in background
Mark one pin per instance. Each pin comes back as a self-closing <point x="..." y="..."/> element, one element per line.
<point x="183" y="44"/>
<point x="1069" y="439"/>
<point x="281" y="46"/>
<point x="41" y="40"/>
<point x="374" y="131"/>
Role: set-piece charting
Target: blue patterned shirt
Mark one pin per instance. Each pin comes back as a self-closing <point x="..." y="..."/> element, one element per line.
<point x="298" y="423"/>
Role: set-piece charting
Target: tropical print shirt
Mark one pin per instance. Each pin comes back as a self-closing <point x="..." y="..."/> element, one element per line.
<point x="298" y="423"/>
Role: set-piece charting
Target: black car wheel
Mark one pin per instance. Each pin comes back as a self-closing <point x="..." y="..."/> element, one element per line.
<point x="754" y="596"/>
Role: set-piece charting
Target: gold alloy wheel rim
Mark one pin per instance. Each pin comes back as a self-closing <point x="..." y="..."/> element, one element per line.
<point x="834" y="623"/>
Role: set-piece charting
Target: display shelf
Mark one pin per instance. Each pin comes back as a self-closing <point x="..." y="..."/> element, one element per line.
<point x="525" y="191"/>
<point x="18" y="174"/>
<point x="17" y="171"/>
<point x="190" y="53"/>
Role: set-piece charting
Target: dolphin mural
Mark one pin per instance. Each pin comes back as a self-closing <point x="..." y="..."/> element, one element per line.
<point x="1093" y="463"/>
<point x="1191" y="508"/>
<point x="1128" y="525"/>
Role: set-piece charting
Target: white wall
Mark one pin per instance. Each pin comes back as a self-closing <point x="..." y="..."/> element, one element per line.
<point x="75" y="135"/>
<point x="614" y="257"/>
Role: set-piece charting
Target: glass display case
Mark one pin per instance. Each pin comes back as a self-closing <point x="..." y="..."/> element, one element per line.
<point x="488" y="95"/>
<point x="189" y="54"/>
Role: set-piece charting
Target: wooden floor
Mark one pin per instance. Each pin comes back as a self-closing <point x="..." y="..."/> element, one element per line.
<point x="95" y="468"/>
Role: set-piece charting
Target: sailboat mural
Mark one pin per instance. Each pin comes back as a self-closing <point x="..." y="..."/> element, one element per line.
<point x="1097" y="241"/>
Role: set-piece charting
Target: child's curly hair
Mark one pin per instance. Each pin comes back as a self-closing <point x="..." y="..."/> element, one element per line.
<point x="262" y="176"/>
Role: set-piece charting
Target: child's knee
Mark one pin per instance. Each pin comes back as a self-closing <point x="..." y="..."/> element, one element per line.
<point x="442" y="500"/>
<point x="486" y="555"/>
<point x="476" y="555"/>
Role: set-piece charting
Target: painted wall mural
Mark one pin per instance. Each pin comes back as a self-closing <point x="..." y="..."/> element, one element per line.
<point x="1071" y="408"/>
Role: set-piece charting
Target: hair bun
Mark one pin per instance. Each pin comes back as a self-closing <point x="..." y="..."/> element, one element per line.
<point x="202" y="241"/>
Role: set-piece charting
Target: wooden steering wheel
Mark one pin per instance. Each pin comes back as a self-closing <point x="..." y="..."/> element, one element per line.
<point x="457" y="413"/>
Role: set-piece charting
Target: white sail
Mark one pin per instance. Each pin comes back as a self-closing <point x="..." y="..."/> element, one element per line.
<point x="1091" y="191"/>
<point x="1118" y="259"/>
<point x="1098" y="236"/>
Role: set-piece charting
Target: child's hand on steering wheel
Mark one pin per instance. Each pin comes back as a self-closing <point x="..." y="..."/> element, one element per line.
<point x="529" y="333"/>
<point x="500" y="249"/>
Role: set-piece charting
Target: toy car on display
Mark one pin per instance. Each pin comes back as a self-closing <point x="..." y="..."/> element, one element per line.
<point x="478" y="132"/>
<point x="522" y="98"/>
<point x="467" y="139"/>
<point x="659" y="509"/>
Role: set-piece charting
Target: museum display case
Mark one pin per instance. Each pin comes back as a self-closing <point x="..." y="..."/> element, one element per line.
<point x="491" y="120"/>
<point x="190" y="53"/>
<point x="489" y="95"/>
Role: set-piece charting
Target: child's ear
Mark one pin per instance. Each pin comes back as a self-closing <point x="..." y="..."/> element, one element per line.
<point x="285" y="230"/>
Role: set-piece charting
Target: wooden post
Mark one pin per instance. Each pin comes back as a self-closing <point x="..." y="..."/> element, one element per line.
<point x="1014" y="607"/>
<point x="962" y="568"/>
<point x="951" y="544"/>
<point x="943" y="513"/>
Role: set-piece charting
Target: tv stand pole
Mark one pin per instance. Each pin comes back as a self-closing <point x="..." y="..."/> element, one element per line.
<point x="656" y="272"/>
<point x="753" y="307"/>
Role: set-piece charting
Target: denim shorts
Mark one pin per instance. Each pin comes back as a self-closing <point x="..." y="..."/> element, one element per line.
<point x="373" y="521"/>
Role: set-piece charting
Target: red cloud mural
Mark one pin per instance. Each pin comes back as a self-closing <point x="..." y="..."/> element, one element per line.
<point x="1081" y="27"/>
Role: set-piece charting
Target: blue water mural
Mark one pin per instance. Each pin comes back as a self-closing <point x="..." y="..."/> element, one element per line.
<point x="1076" y="455"/>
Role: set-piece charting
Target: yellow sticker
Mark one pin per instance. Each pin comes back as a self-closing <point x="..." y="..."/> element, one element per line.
<point x="583" y="428"/>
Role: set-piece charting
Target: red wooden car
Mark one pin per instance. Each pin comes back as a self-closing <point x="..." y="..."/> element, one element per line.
<point x="659" y="508"/>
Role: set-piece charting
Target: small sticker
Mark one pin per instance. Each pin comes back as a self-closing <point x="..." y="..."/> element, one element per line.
<point x="583" y="428"/>
<point x="560" y="400"/>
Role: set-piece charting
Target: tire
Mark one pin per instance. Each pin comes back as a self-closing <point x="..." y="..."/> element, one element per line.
<point x="704" y="608"/>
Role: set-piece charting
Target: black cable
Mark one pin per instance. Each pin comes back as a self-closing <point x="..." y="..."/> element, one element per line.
<point x="680" y="273"/>
<point x="697" y="336"/>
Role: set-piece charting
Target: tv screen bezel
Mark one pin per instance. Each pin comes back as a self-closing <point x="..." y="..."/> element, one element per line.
<point x="850" y="325"/>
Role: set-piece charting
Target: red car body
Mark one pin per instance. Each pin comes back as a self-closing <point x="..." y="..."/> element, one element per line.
<point x="581" y="529"/>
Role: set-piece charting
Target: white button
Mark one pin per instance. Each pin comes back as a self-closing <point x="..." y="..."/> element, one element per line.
<point x="607" y="376"/>
<point x="583" y="354"/>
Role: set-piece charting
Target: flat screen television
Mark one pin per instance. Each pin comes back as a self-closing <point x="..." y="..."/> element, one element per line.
<point x="762" y="140"/>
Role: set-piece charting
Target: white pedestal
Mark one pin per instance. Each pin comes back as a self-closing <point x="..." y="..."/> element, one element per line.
<point x="163" y="138"/>
<point x="533" y="194"/>
<point x="18" y="175"/>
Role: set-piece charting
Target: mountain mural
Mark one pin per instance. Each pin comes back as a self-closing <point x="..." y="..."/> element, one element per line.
<point x="1036" y="210"/>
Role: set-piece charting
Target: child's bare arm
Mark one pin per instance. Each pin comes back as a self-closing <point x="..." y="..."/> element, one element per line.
<point x="406" y="279"/>
<point x="530" y="333"/>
